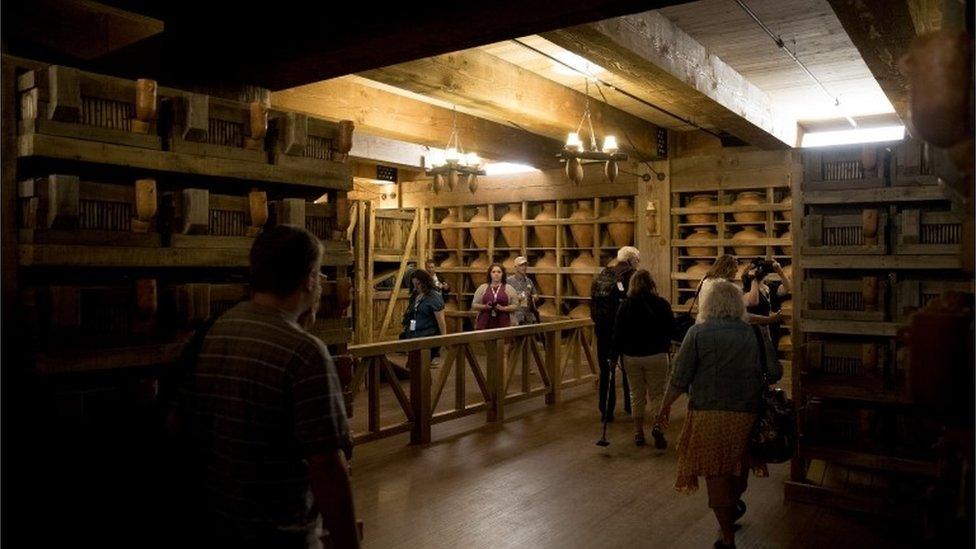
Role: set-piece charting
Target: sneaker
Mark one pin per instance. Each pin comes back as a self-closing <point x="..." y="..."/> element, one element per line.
<point x="660" y="442"/>
<point x="639" y="439"/>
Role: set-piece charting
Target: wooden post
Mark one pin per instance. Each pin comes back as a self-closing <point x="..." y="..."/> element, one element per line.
<point x="553" y="340"/>
<point x="372" y="394"/>
<point x="59" y="202"/>
<point x="419" y="364"/>
<point x="495" y="352"/>
<point x="196" y="211"/>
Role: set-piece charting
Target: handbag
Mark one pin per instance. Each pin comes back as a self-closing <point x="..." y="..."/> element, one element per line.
<point x="684" y="321"/>
<point x="773" y="438"/>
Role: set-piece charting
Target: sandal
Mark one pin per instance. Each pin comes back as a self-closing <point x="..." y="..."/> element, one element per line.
<point x="639" y="439"/>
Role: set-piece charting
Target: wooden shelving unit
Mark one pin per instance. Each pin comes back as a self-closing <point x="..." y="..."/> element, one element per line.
<point x="857" y="419"/>
<point x="551" y="266"/>
<point x="132" y="227"/>
<point x="713" y="198"/>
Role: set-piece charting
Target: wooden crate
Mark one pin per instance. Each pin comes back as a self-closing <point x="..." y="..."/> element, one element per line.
<point x="844" y="234"/>
<point x="319" y="219"/>
<point x="86" y="315"/>
<point x="860" y="363"/>
<point x="67" y="102"/>
<point x="218" y="128"/>
<point x="911" y="164"/>
<point x="919" y="232"/>
<point x="63" y="209"/>
<point x="304" y="142"/>
<point x="859" y="299"/>
<point x="204" y="219"/>
<point x="912" y="295"/>
<point x="843" y="168"/>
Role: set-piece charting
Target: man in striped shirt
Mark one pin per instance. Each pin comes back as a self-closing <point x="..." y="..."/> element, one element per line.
<point x="265" y="409"/>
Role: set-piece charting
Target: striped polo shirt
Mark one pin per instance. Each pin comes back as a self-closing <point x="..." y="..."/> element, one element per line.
<point x="264" y="394"/>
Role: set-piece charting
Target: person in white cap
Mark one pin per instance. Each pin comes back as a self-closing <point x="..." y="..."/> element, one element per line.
<point x="526" y="312"/>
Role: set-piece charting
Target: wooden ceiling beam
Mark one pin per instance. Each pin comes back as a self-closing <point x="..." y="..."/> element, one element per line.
<point x="297" y="43"/>
<point x="504" y="92"/>
<point x="394" y="116"/>
<point x="882" y="31"/>
<point x="669" y="68"/>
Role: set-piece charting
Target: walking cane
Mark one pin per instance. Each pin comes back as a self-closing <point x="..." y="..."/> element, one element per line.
<point x="610" y="387"/>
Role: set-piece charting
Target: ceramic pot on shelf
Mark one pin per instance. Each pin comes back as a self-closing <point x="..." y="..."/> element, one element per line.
<point x="548" y="309"/>
<point x="480" y="234"/>
<point x="451" y="236"/>
<point x="583" y="232"/>
<point x="787" y="250"/>
<point x="546" y="282"/>
<point x="513" y="235"/>
<point x="701" y="201"/>
<point x="749" y="198"/>
<point x="480" y="262"/>
<point x="454" y="279"/>
<point x="698" y="270"/>
<point x="742" y="239"/>
<point x="451" y="306"/>
<point x="583" y="282"/>
<point x="787" y="214"/>
<point x="509" y="262"/>
<point x="701" y="233"/>
<point x="546" y="234"/>
<point x="580" y="311"/>
<point x="622" y="234"/>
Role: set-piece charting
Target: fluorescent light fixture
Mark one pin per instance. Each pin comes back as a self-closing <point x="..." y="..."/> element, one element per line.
<point x="507" y="168"/>
<point x="576" y="64"/>
<point x="846" y="137"/>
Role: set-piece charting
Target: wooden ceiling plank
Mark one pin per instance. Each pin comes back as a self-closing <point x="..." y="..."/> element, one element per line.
<point x="486" y="84"/>
<point x="389" y="115"/>
<point x="647" y="47"/>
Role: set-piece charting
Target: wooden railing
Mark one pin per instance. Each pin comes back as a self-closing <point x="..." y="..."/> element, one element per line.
<point x="564" y="358"/>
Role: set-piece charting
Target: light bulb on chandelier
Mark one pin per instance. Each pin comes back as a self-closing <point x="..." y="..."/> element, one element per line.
<point x="576" y="155"/>
<point x="454" y="164"/>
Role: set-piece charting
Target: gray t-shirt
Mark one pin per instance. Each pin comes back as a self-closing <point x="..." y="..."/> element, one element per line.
<point x="523" y="285"/>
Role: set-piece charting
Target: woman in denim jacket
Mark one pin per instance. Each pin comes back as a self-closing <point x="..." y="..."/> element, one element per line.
<point x="720" y="368"/>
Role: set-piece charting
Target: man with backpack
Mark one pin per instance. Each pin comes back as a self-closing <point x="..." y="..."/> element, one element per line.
<point x="608" y="291"/>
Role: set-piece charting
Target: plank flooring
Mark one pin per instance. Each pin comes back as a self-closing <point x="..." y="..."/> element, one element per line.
<point x="538" y="480"/>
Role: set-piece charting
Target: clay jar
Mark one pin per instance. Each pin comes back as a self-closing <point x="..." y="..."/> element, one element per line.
<point x="583" y="282"/>
<point x="701" y="201"/>
<point x="450" y="236"/>
<point x="509" y="263"/>
<point x="453" y="279"/>
<point x="546" y="234"/>
<point x="548" y="309"/>
<point x="450" y="305"/>
<point x="698" y="270"/>
<point x="480" y="262"/>
<point x="785" y="346"/>
<point x="513" y="235"/>
<point x="741" y="239"/>
<point x="787" y="250"/>
<point x="622" y="234"/>
<point x="787" y="214"/>
<point x="748" y="198"/>
<point x="580" y="311"/>
<point x="546" y="282"/>
<point x="701" y="233"/>
<point x="582" y="233"/>
<point x="480" y="234"/>
<point x="869" y="293"/>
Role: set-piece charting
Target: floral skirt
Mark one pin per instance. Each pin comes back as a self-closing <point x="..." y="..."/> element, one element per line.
<point x="714" y="443"/>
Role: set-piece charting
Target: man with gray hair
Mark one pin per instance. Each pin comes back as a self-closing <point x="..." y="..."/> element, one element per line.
<point x="608" y="291"/>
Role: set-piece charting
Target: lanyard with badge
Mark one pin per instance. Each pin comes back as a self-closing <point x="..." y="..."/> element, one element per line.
<point x="494" y="300"/>
<point x="416" y="306"/>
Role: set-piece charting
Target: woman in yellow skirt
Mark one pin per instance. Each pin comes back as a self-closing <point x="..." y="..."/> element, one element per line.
<point x="719" y="367"/>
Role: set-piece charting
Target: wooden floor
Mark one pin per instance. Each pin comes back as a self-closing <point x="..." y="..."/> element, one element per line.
<point x="538" y="480"/>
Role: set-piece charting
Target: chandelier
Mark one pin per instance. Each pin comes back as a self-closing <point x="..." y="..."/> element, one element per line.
<point x="575" y="154"/>
<point x="454" y="164"/>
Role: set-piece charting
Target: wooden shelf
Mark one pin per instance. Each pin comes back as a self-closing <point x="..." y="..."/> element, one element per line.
<point x="873" y="503"/>
<point x="868" y="460"/>
<point x="880" y="195"/>
<point x="833" y="387"/>
<point x="525" y="223"/>
<point x="851" y="327"/>
<point x="64" y="361"/>
<point x="56" y="255"/>
<point x="881" y="262"/>
<point x="733" y="209"/>
<point x="336" y="176"/>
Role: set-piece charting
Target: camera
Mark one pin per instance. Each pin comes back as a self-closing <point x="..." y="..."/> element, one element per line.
<point x="762" y="267"/>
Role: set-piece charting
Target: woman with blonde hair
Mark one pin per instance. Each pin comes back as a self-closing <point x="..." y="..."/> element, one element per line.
<point x="725" y="267"/>
<point x="720" y="367"/>
<point x="642" y="335"/>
